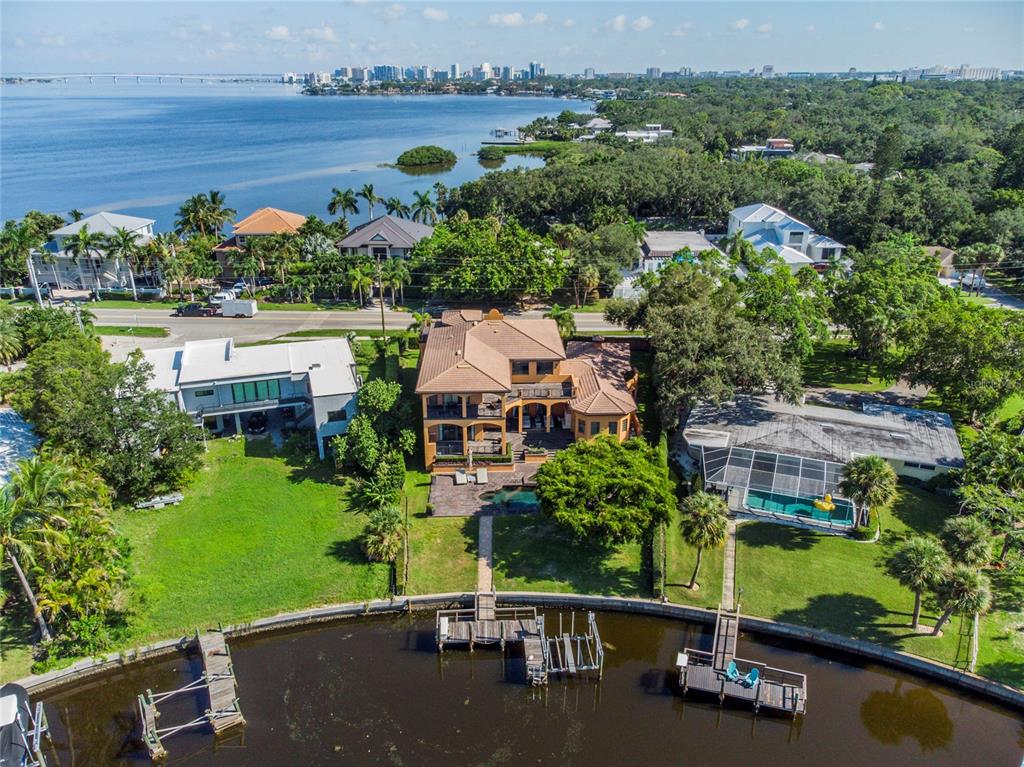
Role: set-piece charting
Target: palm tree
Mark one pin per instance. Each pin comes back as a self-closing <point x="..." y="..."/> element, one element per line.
<point x="637" y="229"/>
<point x="968" y="540"/>
<point x="192" y="216"/>
<point x="396" y="207"/>
<point x="423" y="208"/>
<point x="217" y="213"/>
<point x="11" y="341"/>
<point x="370" y="196"/>
<point x="964" y="591"/>
<point x="399" y="276"/>
<point x="343" y="202"/>
<point x="76" y="214"/>
<point x="441" y="195"/>
<point x="360" y="280"/>
<point x="868" y="481"/>
<point x="88" y="244"/>
<point x="19" y="530"/>
<point x="160" y="250"/>
<point x="382" y="538"/>
<point x="419" y="319"/>
<point x="704" y="525"/>
<point x="564" y="319"/>
<point x="919" y="564"/>
<point x="16" y="245"/>
<point x="124" y="244"/>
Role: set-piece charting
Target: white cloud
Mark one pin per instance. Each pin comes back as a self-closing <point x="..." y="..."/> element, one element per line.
<point x="52" y="41"/>
<point x="642" y="24"/>
<point x="393" y="11"/>
<point x="324" y="34"/>
<point x="230" y="47"/>
<point x="618" y="24"/>
<point x="811" y="28"/>
<point x="878" y="26"/>
<point x="435" y="14"/>
<point x="765" y="28"/>
<point x="19" y="42"/>
<point x="279" y="32"/>
<point x="539" y="18"/>
<point x="206" y="28"/>
<point x="506" y="19"/>
<point x="682" y="30"/>
<point x="568" y="23"/>
<point x="741" y="24"/>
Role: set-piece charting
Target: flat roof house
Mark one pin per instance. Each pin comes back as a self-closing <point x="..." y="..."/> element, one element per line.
<point x="55" y="267"/>
<point x="796" y="243"/>
<point x="306" y="383"/>
<point x="509" y="390"/>
<point x="658" y="249"/>
<point x="386" y="236"/>
<point x="771" y="457"/>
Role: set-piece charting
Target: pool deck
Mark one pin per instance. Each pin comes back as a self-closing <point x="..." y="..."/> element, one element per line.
<point x="450" y="500"/>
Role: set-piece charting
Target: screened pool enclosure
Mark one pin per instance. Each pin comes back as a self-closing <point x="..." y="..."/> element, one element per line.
<point x="765" y="482"/>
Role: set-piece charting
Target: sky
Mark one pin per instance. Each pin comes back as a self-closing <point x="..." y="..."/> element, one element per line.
<point x="232" y="36"/>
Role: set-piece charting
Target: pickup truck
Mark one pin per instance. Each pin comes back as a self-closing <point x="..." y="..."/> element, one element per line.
<point x="195" y="310"/>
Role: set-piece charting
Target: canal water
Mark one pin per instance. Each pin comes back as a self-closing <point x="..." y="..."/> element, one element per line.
<point x="374" y="692"/>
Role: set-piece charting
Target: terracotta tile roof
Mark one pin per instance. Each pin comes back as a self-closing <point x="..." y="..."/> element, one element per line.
<point x="270" y="221"/>
<point x="599" y="373"/>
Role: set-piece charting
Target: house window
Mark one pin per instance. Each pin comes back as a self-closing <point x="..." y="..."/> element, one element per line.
<point x="827" y="253"/>
<point x="520" y="368"/>
<point x="595" y="427"/>
<point x="333" y="416"/>
<point x="379" y="252"/>
<point x="581" y="426"/>
<point x="796" y="238"/>
<point x="203" y="393"/>
<point x="255" y="391"/>
<point x="613" y="427"/>
<point x="545" y="368"/>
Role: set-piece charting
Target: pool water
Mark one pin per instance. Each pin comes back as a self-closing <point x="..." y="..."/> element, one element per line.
<point x="512" y="496"/>
<point x="758" y="500"/>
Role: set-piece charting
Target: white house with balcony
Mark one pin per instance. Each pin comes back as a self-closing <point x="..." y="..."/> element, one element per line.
<point x="658" y="249"/>
<point x="53" y="266"/>
<point x="312" y="384"/>
<point x="796" y="243"/>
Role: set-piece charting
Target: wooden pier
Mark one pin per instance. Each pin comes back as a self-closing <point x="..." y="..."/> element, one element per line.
<point x="567" y="653"/>
<point x="218" y="683"/>
<point x="761" y="685"/>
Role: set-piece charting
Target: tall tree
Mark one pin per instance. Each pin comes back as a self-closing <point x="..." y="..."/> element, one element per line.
<point x="217" y="212"/>
<point x="88" y="245"/>
<point x="1001" y="509"/>
<point x="919" y="564"/>
<point x="395" y="207"/>
<point x="423" y="208"/>
<point x="869" y="481"/>
<point x="963" y="591"/>
<point x="704" y="524"/>
<point x="342" y="202"/>
<point x="564" y="319"/>
<point x="124" y="244"/>
<point x="968" y="540"/>
<point x="370" y="196"/>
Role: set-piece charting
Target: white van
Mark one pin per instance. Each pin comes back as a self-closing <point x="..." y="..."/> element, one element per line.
<point x="221" y="296"/>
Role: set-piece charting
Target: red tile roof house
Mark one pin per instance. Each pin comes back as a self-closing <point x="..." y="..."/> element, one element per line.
<point x="260" y="223"/>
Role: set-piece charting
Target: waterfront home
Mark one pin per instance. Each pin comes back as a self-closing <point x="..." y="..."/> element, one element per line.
<point x="227" y="389"/>
<point x="385" y="237"/>
<point x="796" y="243"/>
<point x="502" y="389"/>
<point x="767" y="456"/>
<point x="647" y="135"/>
<point x="55" y="266"/>
<point x="771" y="149"/>
<point x="658" y="249"/>
<point x="264" y="222"/>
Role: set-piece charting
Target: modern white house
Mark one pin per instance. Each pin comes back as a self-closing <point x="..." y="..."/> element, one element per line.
<point x="54" y="267"/>
<point x="764" y="226"/>
<point x="311" y="384"/>
<point x="658" y="249"/>
<point x="647" y="135"/>
<point x="385" y="236"/>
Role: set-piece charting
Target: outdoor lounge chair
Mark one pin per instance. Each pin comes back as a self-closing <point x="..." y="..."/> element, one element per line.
<point x="481" y="476"/>
<point x="731" y="672"/>
<point x="752" y="678"/>
<point x="460" y="477"/>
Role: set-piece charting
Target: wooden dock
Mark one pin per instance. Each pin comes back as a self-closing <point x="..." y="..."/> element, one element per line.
<point x="567" y="652"/>
<point x="774" y="689"/>
<point x="217" y="682"/>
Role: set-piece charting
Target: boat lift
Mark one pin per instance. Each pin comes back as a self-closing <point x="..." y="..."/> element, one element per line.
<point x="21" y="728"/>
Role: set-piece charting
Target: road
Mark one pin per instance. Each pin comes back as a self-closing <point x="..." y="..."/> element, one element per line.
<point x="274" y="323"/>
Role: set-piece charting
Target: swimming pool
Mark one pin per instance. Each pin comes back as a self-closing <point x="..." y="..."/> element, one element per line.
<point x="512" y="495"/>
<point x="792" y="506"/>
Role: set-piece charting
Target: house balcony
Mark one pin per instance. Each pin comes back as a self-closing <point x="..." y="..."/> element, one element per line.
<point x="478" y="447"/>
<point x="454" y="412"/>
<point x="249" y="407"/>
<point x="557" y="390"/>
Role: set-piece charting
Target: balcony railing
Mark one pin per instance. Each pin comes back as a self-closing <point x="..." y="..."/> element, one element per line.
<point x="472" y="411"/>
<point x="485" y="446"/>
<point x="242" y="407"/>
<point x="444" y="411"/>
<point x="541" y="391"/>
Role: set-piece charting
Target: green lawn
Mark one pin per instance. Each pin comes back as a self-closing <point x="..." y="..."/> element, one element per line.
<point x="256" y="534"/>
<point x="680" y="559"/>
<point x="121" y="303"/>
<point x="841" y="585"/>
<point x="140" y="331"/>
<point x="830" y="366"/>
<point x="532" y="553"/>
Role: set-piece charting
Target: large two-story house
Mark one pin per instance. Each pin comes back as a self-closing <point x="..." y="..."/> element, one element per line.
<point x="264" y="222"/>
<point x="796" y="243"/>
<point x="658" y="249"/>
<point x="492" y="385"/>
<point x="302" y="384"/>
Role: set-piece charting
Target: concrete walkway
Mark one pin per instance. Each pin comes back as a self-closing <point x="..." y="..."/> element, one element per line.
<point x="485" y="554"/>
<point x="729" y="568"/>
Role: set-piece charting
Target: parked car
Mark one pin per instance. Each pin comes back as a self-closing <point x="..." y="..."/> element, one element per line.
<point x="221" y="296"/>
<point x="974" y="281"/>
<point x="239" y="287"/>
<point x="195" y="310"/>
<point x="257" y="423"/>
<point x="264" y="281"/>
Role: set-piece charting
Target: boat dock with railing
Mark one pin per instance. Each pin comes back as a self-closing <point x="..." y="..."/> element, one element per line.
<point x="567" y="652"/>
<point x="723" y="674"/>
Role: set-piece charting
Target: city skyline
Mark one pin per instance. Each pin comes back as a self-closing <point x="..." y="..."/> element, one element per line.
<point x="570" y="37"/>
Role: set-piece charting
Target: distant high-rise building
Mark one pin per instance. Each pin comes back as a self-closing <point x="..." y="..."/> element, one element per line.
<point x="654" y="72"/>
<point x="965" y="72"/>
<point x="589" y="73"/>
<point x="343" y="73"/>
<point x="536" y="69"/>
<point x="387" y="73"/>
<point x="453" y="72"/>
<point x="483" y="72"/>
<point x="506" y="72"/>
<point x="768" y="71"/>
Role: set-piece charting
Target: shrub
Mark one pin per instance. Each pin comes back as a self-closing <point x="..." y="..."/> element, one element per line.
<point x="426" y="155"/>
<point x="491" y="153"/>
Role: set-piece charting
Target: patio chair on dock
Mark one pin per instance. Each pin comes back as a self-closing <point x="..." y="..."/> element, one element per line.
<point x="731" y="672"/>
<point x="752" y="678"/>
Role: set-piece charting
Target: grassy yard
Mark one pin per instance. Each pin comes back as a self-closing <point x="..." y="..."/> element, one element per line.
<point x="680" y="559"/>
<point x="545" y="149"/>
<point x="831" y="366"/>
<point x="841" y="585"/>
<point x="532" y="553"/>
<point x="140" y="331"/>
<point x="256" y="534"/>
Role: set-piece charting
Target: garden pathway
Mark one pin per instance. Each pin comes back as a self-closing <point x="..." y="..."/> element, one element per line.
<point x="729" y="573"/>
<point x="485" y="554"/>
